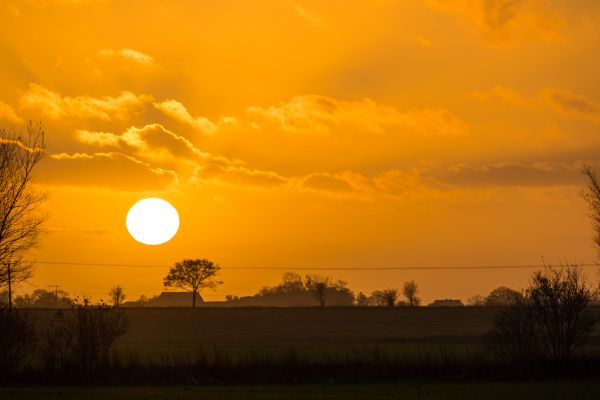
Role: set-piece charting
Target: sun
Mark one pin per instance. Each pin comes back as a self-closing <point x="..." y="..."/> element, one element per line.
<point x="152" y="221"/>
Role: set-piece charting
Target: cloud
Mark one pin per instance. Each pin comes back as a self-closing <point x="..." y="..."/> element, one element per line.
<point x="319" y="114"/>
<point x="129" y="55"/>
<point x="307" y="15"/>
<point x="101" y="139"/>
<point x="178" y="112"/>
<point x="151" y="141"/>
<point x="503" y="21"/>
<point x="54" y="105"/>
<point x="561" y="100"/>
<point x="9" y="114"/>
<point x="112" y="170"/>
<point x="347" y="181"/>
<point x="514" y="174"/>
<point x="239" y="175"/>
<point x="572" y="104"/>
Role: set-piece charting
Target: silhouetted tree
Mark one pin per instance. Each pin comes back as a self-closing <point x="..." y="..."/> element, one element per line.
<point x="192" y="275"/>
<point x="291" y="282"/>
<point x="550" y="321"/>
<point x="410" y="291"/>
<point x="362" y="300"/>
<point x="592" y="196"/>
<point x="117" y="296"/>
<point x="387" y="297"/>
<point x="318" y="286"/>
<point x="81" y="338"/>
<point x="560" y="299"/>
<point x="294" y="291"/>
<point x="20" y="218"/>
<point x="502" y="296"/>
<point x="42" y="298"/>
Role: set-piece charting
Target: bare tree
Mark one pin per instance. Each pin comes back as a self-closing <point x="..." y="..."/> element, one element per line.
<point x="560" y="298"/>
<point x="192" y="275"/>
<point x="20" y="217"/>
<point x="592" y="196"/>
<point x="387" y="297"/>
<point x="291" y="282"/>
<point x="361" y="300"/>
<point x="117" y="295"/>
<point x="549" y="321"/>
<point x="318" y="285"/>
<point x="83" y="337"/>
<point x="410" y="291"/>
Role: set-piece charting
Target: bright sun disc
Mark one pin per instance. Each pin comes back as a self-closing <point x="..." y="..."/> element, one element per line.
<point x="152" y="221"/>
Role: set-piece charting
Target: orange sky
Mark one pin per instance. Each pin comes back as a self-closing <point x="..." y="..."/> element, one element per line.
<point x="309" y="134"/>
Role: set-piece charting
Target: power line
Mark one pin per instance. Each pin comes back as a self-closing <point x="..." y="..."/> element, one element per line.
<point x="321" y="268"/>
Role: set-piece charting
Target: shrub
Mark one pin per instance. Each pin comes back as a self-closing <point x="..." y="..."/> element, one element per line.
<point x="83" y="337"/>
<point x="547" y="323"/>
<point x="17" y="340"/>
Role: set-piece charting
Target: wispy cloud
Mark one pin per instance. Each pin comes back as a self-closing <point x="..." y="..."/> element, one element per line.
<point x="129" y="55"/>
<point x="178" y="112"/>
<point x="312" y="18"/>
<point x="319" y="114"/>
<point x="54" y="105"/>
<point x="111" y="170"/>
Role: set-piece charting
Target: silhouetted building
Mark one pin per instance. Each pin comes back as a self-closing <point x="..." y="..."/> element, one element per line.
<point x="447" y="303"/>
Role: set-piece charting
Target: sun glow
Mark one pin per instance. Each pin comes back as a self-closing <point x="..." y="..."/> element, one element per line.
<point x="152" y="221"/>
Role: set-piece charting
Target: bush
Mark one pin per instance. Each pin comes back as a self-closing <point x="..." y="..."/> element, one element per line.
<point x="82" y="337"/>
<point x="17" y="340"/>
<point x="550" y="321"/>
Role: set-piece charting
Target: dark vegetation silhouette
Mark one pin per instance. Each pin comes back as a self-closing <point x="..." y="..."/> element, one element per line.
<point x="79" y="340"/>
<point x="20" y="216"/>
<point x="547" y="323"/>
<point x="193" y="275"/>
<point x="117" y="296"/>
<point x="410" y="291"/>
<point x="17" y="340"/>
<point x="296" y="291"/>
<point x="502" y="296"/>
<point x="42" y="298"/>
<point x="384" y="298"/>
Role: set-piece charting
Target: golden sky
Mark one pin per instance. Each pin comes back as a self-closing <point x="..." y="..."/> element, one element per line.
<point x="309" y="134"/>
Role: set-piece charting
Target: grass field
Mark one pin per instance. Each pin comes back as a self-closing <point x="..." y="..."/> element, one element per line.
<point x="328" y="332"/>
<point x="475" y="391"/>
<point x="267" y="326"/>
<point x="254" y="346"/>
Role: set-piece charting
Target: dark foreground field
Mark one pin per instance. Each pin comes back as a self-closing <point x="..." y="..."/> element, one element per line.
<point x="156" y="333"/>
<point x="167" y="328"/>
<point x="473" y="391"/>
<point x="310" y="353"/>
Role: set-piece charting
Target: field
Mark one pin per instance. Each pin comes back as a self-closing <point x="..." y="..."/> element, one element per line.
<point x="330" y="353"/>
<point x="170" y="328"/>
<point x="157" y="331"/>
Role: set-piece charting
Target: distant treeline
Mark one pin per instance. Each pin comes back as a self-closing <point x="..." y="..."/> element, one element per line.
<point x="293" y="291"/>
